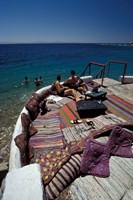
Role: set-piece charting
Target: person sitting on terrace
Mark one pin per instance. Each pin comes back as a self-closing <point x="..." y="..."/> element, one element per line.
<point x="64" y="90"/>
<point x="76" y="83"/>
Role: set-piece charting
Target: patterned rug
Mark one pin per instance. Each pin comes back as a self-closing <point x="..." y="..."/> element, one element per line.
<point x="119" y="107"/>
<point x="82" y="130"/>
<point x="67" y="113"/>
<point x="49" y="134"/>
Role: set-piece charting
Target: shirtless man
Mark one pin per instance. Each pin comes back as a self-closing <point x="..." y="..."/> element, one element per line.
<point x="76" y="82"/>
<point x="65" y="91"/>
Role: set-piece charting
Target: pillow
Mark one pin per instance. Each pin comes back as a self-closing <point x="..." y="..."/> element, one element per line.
<point x="22" y="143"/>
<point x="51" y="162"/>
<point x="32" y="129"/>
<point x="33" y="106"/>
<point x="68" y="173"/>
<point x="120" y="142"/>
<point x="45" y="94"/>
<point x="95" y="159"/>
<point x="27" y="126"/>
<point x="25" y="120"/>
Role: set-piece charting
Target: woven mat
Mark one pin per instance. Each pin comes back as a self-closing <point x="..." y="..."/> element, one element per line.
<point x="119" y="107"/>
<point x="49" y="134"/>
<point x="82" y="130"/>
<point x="67" y="113"/>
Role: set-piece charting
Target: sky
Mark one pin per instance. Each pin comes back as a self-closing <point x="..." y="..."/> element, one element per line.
<point x="77" y="21"/>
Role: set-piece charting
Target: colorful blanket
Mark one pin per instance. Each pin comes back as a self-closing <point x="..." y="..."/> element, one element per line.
<point x="82" y="130"/>
<point x="67" y="113"/>
<point x="119" y="107"/>
<point x="49" y="135"/>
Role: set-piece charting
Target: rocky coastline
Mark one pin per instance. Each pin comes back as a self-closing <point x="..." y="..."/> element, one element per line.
<point x="8" y="119"/>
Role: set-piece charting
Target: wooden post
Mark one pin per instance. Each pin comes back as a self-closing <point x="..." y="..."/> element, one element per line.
<point x="89" y="69"/>
<point x="124" y="72"/>
<point x="103" y="70"/>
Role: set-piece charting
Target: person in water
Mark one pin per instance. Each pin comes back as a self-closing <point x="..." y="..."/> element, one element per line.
<point x="25" y="81"/>
<point x="40" y="79"/>
<point x="37" y="82"/>
<point x="63" y="90"/>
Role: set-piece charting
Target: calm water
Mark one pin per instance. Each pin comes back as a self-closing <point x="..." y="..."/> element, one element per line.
<point x="48" y="60"/>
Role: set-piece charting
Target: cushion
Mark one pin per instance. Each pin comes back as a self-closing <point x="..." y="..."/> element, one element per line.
<point x="33" y="105"/>
<point x="51" y="162"/>
<point x="22" y="143"/>
<point x="27" y="126"/>
<point x="44" y="94"/>
<point x="32" y="129"/>
<point x="95" y="159"/>
<point x="67" y="174"/>
<point x="120" y="142"/>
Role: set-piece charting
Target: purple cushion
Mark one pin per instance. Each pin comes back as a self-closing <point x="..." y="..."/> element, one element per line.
<point x="120" y="142"/>
<point x="95" y="159"/>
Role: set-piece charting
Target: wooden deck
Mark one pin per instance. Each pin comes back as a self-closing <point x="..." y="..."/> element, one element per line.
<point x="124" y="91"/>
<point x="119" y="185"/>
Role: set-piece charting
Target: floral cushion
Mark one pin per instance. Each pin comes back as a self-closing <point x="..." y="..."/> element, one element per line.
<point x="51" y="162"/>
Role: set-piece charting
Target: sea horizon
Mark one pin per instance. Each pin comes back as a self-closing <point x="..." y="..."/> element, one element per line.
<point x="61" y="42"/>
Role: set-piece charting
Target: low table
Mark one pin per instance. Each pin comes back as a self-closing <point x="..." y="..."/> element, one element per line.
<point x="90" y="108"/>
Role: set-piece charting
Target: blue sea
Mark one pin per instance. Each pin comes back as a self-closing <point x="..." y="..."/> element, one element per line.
<point x="49" y="60"/>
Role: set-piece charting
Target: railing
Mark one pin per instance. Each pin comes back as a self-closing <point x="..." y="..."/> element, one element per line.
<point x="103" y="67"/>
<point x="100" y="72"/>
<point x="118" y="62"/>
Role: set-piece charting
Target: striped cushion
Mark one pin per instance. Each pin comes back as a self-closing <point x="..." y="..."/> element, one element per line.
<point x="68" y="172"/>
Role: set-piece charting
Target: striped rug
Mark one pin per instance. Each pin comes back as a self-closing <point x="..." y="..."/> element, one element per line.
<point x="83" y="130"/>
<point x="49" y="134"/>
<point x="67" y="113"/>
<point x="119" y="107"/>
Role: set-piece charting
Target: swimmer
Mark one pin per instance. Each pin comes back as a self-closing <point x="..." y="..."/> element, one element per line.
<point x="37" y="82"/>
<point x="40" y="79"/>
<point x="25" y="81"/>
